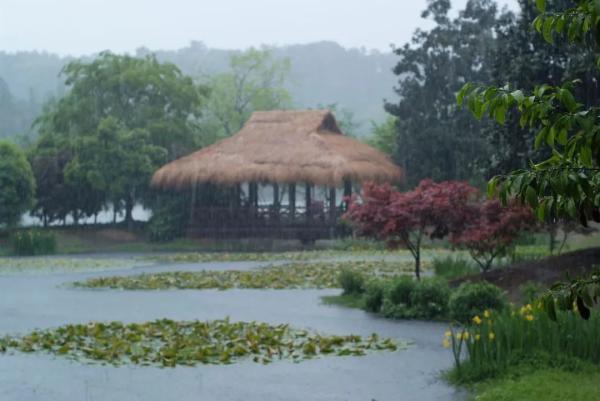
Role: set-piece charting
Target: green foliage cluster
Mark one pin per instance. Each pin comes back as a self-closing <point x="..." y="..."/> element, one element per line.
<point x="494" y="343"/>
<point x="471" y="299"/>
<point x="33" y="242"/>
<point x="17" y="184"/>
<point x="565" y="182"/>
<point x="170" y="343"/>
<point x="293" y="275"/>
<point x="406" y="298"/>
<point x="452" y="267"/>
<point x="351" y="281"/>
<point x="168" y="219"/>
<point x="99" y="144"/>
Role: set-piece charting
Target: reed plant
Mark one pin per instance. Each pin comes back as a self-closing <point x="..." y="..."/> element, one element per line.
<point x="495" y="341"/>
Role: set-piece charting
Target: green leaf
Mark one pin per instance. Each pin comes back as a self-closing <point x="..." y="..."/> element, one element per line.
<point x="531" y="196"/>
<point x="547" y="30"/>
<point x="491" y="187"/>
<point x="541" y="5"/>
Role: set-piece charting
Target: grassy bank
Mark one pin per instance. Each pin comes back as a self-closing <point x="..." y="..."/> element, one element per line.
<point x="542" y="385"/>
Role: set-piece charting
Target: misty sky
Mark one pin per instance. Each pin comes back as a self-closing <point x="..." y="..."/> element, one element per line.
<point x="84" y="26"/>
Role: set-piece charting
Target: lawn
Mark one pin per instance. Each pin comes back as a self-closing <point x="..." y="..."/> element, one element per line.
<point x="543" y="385"/>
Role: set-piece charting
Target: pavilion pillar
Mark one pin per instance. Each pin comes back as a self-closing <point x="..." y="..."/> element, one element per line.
<point x="347" y="193"/>
<point x="193" y="203"/>
<point x="308" y="200"/>
<point x="292" y="199"/>
<point x="276" y="198"/>
<point x="332" y="206"/>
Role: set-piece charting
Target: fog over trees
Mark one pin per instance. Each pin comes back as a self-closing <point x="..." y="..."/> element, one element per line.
<point x="321" y="73"/>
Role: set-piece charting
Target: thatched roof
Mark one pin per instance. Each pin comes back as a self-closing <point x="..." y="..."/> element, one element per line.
<point x="282" y="147"/>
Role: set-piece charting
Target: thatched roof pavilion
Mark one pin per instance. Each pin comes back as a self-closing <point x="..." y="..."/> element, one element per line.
<point x="277" y="147"/>
<point x="282" y="147"/>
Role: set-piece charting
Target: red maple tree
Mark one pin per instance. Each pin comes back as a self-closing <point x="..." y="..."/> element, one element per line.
<point x="405" y="218"/>
<point x="493" y="231"/>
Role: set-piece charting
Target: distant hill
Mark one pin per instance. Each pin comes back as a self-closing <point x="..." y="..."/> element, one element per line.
<point x="322" y="73"/>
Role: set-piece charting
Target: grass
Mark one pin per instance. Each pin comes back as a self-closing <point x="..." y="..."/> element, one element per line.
<point x="170" y="343"/>
<point x="543" y="385"/>
<point x="292" y="275"/>
<point x="348" y="301"/>
<point x="453" y="267"/>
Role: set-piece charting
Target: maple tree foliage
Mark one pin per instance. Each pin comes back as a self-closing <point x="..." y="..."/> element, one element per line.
<point x="431" y="210"/>
<point x="492" y="230"/>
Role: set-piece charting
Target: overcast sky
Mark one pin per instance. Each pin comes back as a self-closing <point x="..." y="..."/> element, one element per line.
<point x="84" y="26"/>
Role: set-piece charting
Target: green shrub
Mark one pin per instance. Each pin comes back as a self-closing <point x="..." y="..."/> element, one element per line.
<point x="400" y="291"/>
<point x="450" y="267"/>
<point x="33" y="242"/>
<point x="410" y="299"/>
<point x="352" y="282"/>
<point x="168" y="220"/>
<point x="471" y="299"/>
<point x="374" y="293"/>
<point x="429" y="299"/>
<point x="531" y="290"/>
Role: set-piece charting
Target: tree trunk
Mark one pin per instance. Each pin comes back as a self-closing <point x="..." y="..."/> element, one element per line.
<point x="128" y="212"/>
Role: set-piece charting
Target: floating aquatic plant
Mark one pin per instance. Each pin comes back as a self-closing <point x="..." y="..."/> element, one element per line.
<point x="54" y="264"/>
<point x="292" y="275"/>
<point x="170" y="343"/>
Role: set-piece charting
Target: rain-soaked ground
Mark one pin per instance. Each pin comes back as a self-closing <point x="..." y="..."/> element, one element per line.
<point x="37" y="300"/>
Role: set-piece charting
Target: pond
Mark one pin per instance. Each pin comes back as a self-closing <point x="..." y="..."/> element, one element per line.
<point x="31" y="300"/>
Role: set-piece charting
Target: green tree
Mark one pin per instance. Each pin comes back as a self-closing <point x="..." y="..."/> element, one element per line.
<point x="255" y="81"/>
<point x="567" y="182"/>
<point x="17" y="185"/>
<point x="383" y="136"/>
<point x="435" y="139"/>
<point x="120" y="119"/>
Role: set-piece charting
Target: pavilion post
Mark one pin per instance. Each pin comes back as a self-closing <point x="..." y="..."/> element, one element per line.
<point x="347" y="193"/>
<point x="193" y="202"/>
<point x="276" y="198"/>
<point x="292" y="200"/>
<point x="308" y="200"/>
<point x="332" y="207"/>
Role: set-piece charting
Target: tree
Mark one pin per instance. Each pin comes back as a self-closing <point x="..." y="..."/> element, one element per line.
<point x="383" y="136"/>
<point x="255" y="82"/>
<point x="567" y="182"/>
<point x="120" y="119"/>
<point x="435" y="139"/>
<point x="431" y="210"/>
<point x="492" y="231"/>
<point x="17" y="185"/>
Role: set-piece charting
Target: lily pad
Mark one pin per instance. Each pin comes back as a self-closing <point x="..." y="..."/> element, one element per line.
<point x="57" y="264"/>
<point x="292" y="275"/>
<point x="170" y="343"/>
<point x="197" y="257"/>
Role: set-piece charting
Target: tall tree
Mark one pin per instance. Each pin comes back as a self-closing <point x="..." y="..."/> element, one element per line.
<point x="435" y="138"/>
<point x="119" y="114"/>
<point x="255" y="81"/>
<point x="566" y="183"/>
<point x="17" y="185"/>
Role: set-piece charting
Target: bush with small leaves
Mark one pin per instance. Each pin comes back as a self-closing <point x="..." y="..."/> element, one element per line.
<point x="374" y="293"/>
<point x="472" y="299"/>
<point x="352" y="282"/>
<point x="429" y="299"/>
<point x="400" y="291"/>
